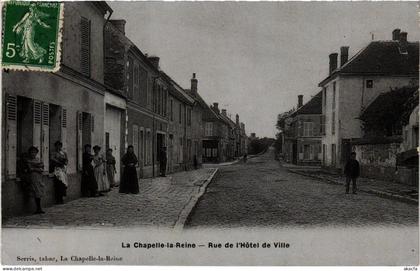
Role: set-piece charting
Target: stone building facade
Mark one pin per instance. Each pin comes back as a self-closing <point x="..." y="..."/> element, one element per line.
<point x="41" y="108"/>
<point x="130" y="71"/>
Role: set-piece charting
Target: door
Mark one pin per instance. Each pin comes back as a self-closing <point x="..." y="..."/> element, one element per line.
<point x="306" y="152"/>
<point x="113" y="135"/>
<point x="294" y="153"/>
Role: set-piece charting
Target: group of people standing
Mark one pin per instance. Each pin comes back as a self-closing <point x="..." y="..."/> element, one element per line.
<point x="33" y="167"/>
<point x="98" y="173"/>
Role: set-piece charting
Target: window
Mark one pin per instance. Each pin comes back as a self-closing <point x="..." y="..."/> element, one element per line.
<point x="141" y="146"/>
<point x="172" y="110"/>
<point x="324" y="153"/>
<point x="143" y="87"/>
<point x="180" y="113"/>
<point x="181" y="150"/>
<point x="32" y="123"/>
<point x="308" y="128"/>
<point x="165" y="102"/>
<point x="189" y="117"/>
<point x="325" y="95"/>
<point x="333" y="154"/>
<point x="136" y="140"/>
<point x="189" y="150"/>
<point x="85" y="46"/>
<point x="148" y="147"/>
<point x="334" y="95"/>
<point x="369" y="83"/>
<point x="333" y="123"/>
<point x="322" y="126"/>
<point x="306" y="152"/>
<point x="214" y="152"/>
<point x="208" y="129"/>
<point x="130" y="78"/>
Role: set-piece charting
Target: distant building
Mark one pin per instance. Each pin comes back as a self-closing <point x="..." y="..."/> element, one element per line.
<point x="180" y="131"/>
<point x="197" y="129"/>
<point x="352" y="86"/>
<point x="303" y="141"/>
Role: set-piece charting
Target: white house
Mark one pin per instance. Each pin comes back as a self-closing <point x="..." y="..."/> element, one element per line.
<point x="353" y="85"/>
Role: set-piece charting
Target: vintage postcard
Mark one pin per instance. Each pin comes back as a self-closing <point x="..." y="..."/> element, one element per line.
<point x="210" y="133"/>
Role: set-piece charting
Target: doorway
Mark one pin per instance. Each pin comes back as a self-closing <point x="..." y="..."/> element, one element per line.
<point x="113" y="135"/>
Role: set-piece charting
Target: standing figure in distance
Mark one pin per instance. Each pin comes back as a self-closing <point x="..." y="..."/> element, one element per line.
<point x="352" y="172"/>
<point x="162" y="161"/>
<point x="129" y="182"/>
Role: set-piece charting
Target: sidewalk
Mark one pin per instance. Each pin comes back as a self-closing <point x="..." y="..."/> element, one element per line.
<point x="386" y="189"/>
<point x="162" y="202"/>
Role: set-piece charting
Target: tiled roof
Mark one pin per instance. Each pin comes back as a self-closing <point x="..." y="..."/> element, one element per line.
<point x="313" y="106"/>
<point x="389" y="104"/>
<point x="382" y="58"/>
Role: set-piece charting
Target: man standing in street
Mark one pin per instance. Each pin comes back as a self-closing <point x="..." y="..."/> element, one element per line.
<point x="352" y="172"/>
<point x="163" y="159"/>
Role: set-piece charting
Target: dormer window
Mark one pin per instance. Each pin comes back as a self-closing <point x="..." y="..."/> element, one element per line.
<point x="369" y="83"/>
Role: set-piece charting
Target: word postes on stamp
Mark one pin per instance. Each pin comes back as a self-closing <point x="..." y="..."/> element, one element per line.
<point x="32" y="35"/>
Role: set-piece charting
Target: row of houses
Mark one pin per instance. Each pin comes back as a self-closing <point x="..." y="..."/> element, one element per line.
<point x="367" y="104"/>
<point x="107" y="93"/>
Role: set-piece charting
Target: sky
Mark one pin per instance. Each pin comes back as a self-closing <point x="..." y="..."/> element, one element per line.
<point x="254" y="58"/>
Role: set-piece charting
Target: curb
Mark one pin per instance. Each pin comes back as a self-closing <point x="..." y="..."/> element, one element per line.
<point x="185" y="213"/>
<point x="379" y="193"/>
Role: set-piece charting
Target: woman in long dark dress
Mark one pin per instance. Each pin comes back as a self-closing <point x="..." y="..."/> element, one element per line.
<point x="89" y="185"/>
<point x="129" y="182"/>
<point x="58" y="166"/>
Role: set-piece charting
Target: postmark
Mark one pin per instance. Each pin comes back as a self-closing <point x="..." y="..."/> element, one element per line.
<point x="32" y="36"/>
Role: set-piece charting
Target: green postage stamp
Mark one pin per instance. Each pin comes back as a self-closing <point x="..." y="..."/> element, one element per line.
<point x="32" y="35"/>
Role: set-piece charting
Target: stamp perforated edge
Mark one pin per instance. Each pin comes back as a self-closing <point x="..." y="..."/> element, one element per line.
<point x="57" y="63"/>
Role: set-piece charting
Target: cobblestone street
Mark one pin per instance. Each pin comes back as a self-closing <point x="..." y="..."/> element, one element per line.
<point x="159" y="204"/>
<point x="262" y="193"/>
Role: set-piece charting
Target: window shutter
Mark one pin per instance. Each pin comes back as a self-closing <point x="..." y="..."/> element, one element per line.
<point x="314" y="129"/>
<point x="11" y="134"/>
<point x="92" y="128"/>
<point x="64" y="128"/>
<point x="300" y="128"/>
<point x="323" y="125"/>
<point x="79" y="140"/>
<point x="85" y="46"/>
<point x="37" y="118"/>
<point x="136" y="140"/>
<point x="45" y="135"/>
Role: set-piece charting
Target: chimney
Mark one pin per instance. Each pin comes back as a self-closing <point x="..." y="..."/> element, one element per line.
<point x="154" y="60"/>
<point x="402" y="44"/>
<point x="237" y="119"/>
<point x="194" y="83"/>
<point x="224" y="112"/>
<point x="396" y="34"/>
<point x="119" y="24"/>
<point x="344" y="55"/>
<point x="300" y="101"/>
<point x="216" y="107"/>
<point x="333" y="62"/>
<point x="403" y="36"/>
